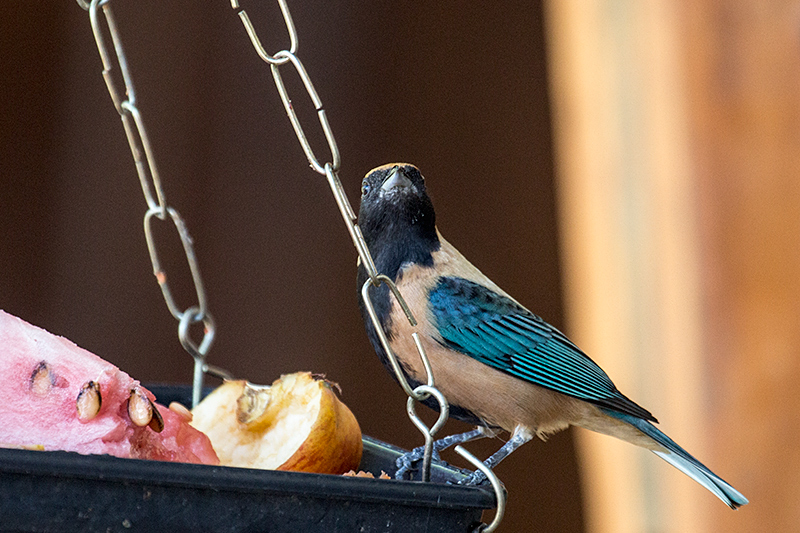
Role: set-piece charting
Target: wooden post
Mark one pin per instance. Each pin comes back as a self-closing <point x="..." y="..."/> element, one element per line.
<point x="743" y="86"/>
<point x="678" y="139"/>
<point x="628" y="211"/>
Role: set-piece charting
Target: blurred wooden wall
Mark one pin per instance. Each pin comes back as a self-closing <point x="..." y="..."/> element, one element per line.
<point x="743" y="77"/>
<point x="677" y="131"/>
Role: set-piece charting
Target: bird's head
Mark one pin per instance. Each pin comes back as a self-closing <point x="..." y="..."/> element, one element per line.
<point x="395" y="206"/>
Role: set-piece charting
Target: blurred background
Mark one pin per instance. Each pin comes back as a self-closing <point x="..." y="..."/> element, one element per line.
<point x="628" y="170"/>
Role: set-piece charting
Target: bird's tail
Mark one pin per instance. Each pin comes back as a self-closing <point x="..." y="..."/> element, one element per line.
<point x="683" y="461"/>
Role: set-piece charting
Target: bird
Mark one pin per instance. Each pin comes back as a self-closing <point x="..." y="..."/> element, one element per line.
<point x="501" y="367"/>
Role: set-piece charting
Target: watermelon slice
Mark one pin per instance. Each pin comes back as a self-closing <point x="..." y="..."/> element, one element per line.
<point x="57" y="396"/>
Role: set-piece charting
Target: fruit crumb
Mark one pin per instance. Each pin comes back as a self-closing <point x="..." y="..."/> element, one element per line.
<point x="370" y="475"/>
<point x="181" y="410"/>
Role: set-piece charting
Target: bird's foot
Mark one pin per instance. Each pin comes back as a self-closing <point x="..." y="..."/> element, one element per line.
<point x="407" y="463"/>
<point x="476" y="478"/>
<point x="520" y="436"/>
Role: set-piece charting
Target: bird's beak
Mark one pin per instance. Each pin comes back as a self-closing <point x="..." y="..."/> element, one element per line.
<point x="396" y="179"/>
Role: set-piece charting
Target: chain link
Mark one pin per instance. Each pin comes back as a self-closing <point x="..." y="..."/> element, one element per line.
<point x="251" y="31"/>
<point x="136" y="133"/>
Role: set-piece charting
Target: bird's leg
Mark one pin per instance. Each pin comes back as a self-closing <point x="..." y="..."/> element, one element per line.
<point x="468" y="436"/>
<point x="518" y="438"/>
<point x="405" y="462"/>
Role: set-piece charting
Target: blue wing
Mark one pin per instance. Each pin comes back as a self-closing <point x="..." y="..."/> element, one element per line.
<point x="498" y="332"/>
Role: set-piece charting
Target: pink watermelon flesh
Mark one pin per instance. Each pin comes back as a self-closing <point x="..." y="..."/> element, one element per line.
<point x="44" y="415"/>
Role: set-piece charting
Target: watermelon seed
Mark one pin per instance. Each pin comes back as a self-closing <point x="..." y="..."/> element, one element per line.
<point x="42" y="379"/>
<point x="157" y="422"/>
<point x="140" y="408"/>
<point x="181" y="411"/>
<point x="89" y="401"/>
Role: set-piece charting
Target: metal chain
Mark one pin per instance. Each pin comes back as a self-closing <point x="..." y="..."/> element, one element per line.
<point x="330" y="171"/>
<point x="125" y="104"/>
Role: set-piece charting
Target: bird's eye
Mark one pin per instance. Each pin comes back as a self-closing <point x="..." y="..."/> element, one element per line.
<point x="364" y="188"/>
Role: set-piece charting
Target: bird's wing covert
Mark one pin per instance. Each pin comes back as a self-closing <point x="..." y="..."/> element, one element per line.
<point x="499" y="332"/>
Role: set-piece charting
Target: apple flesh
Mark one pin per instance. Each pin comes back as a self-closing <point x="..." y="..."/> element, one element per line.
<point x="298" y="423"/>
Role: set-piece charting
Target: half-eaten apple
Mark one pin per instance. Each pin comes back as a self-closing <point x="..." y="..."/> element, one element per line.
<point x="298" y="423"/>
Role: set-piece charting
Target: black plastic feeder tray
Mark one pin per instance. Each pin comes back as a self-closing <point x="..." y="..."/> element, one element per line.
<point x="65" y="492"/>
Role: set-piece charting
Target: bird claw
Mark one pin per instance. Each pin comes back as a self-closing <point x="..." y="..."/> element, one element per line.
<point x="406" y="463"/>
<point x="476" y="478"/>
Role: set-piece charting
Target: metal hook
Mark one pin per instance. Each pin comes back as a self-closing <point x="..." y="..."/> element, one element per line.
<point x="217" y="372"/>
<point x="499" y="490"/>
<point x="401" y="378"/>
<point x="424" y="356"/>
<point x="383" y="278"/>
<point x="198" y="353"/>
<point x="425" y="391"/>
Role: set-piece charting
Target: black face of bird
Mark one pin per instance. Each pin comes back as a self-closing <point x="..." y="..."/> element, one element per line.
<point x="395" y="204"/>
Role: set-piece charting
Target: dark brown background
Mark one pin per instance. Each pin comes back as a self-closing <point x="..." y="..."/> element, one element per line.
<point x="457" y="89"/>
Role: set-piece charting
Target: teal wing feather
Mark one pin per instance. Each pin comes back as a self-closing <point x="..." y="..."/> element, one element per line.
<point x="502" y="334"/>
